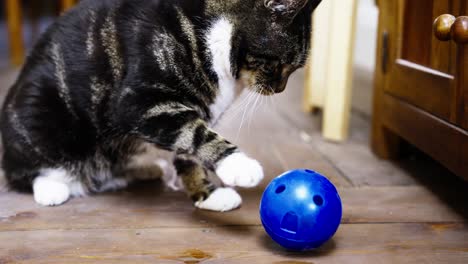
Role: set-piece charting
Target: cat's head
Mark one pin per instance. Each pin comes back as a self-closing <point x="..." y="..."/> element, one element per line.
<point x="275" y="39"/>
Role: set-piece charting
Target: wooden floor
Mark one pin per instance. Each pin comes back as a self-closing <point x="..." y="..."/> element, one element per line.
<point x="410" y="211"/>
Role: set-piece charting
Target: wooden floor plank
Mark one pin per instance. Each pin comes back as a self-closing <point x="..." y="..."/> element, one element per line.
<point x="144" y="209"/>
<point x="353" y="158"/>
<point x="276" y="144"/>
<point x="365" y="243"/>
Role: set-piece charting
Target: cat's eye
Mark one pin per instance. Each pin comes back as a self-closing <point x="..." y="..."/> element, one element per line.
<point x="252" y="62"/>
<point x="257" y="63"/>
<point x="271" y="66"/>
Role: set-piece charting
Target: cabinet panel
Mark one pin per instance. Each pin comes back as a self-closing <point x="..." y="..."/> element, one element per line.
<point x="444" y="142"/>
<point x="461" y="111"/>
<point x="422" y="87"/>
<point x="460" y="104"/>
<point x="421" y="91"/>
<point x="416" y="41"/>
<point x="422" y="71"/>
<point x="418" y="44"/>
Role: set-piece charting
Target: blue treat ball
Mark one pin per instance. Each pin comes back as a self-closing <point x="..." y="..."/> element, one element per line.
<point x="301" y="210"/>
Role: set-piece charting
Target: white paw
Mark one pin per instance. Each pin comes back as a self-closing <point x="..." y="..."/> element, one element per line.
<point x="48" y="192"/>
<point x="221" y="200"/>
<point x="240" y="170"/>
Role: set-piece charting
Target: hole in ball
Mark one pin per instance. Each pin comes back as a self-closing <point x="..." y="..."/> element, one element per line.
<point x="318" y="200"/>
<point x="280" y="188"/>
<point x="290" y="223"/>
<point x="310" y="171"/>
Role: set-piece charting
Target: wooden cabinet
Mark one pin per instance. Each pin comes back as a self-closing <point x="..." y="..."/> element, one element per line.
<point x="421" y="82"/>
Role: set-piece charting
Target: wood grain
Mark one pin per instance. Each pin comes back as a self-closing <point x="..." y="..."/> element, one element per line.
<point x="421" y="86"/>
<point x="417" y="32"/>
<point x="67" y="4"/>
<point x="422" y="97"/>
<point x="441" y="51"/>
<point x="145" y="208"/>
<point x="441" y="140"/>
<point x="460" y="104"/>
<point x="420" y="71"/>
<point x="384" y="143"/>
<point x="269" y="134"/>
<point x="15" y="31"/>
<point x="366" y="243"/>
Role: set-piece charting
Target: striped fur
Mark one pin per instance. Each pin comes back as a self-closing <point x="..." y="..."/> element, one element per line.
<point x="111" y="77"/>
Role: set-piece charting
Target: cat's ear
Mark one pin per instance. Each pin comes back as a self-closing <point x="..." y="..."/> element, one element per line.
<point x="286" y="8"/>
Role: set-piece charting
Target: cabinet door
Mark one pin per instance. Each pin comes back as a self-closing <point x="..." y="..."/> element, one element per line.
<point x="421" y="82"/>
<point x="421" y="69"/>
<point x="460" y="111"/>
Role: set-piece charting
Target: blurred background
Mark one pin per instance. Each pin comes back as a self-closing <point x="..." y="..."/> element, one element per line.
<point x="35" y="16"/>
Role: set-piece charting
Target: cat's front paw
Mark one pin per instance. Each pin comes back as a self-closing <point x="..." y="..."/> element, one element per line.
<point x="48" y="192"/>
<point x="239" y="170"/>
<point x="221" y="200"/>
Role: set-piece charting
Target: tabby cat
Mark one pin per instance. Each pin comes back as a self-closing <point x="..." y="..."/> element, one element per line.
<point x="112" y="79"/>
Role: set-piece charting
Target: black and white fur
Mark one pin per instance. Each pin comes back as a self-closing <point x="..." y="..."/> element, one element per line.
<point x="112" y="80"/>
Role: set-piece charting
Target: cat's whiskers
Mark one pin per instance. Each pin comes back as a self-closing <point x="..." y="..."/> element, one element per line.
<point x="243" y="115"/>
<point x="274" y="102"/>
<point x="262" y="103"/>
<point x="270" y="103"/>
<point x="252" y="112"/>
<point x="260" y="95"/>
<point x="237" y="108"/>
<point x="242" y="103"/>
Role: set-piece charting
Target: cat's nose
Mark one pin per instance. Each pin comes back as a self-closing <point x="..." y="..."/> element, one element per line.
<point x="281" y="86"/>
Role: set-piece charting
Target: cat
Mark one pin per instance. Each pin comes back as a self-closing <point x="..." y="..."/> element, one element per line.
<point x="112" y="79"/>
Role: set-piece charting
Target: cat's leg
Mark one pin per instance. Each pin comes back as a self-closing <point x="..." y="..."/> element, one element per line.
<point x="148" y="163"/>
<point x="201" y="190"/>
<point x="231" y="165"/>
<point x="179" y="128"/>
<point x="55" y="186"/>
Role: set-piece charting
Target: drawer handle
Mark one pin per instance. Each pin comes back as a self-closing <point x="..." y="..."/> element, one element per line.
<point x="447" y="27"/>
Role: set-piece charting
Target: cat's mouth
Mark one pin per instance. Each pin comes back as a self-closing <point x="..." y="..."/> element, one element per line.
<point x="250" y="80"/>
<point x="267" y="91"/>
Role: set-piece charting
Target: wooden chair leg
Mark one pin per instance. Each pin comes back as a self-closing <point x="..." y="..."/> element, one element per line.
<point x="67" y="4"/>
<point x="337" y="107"/>
<point x="316" y="70"/>
<point x="329" y="73"/>
<point x="15" y="31"/>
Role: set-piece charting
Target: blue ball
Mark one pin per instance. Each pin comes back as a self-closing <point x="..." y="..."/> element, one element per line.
<point x="301" y="210"/>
